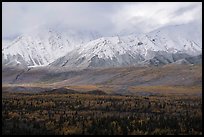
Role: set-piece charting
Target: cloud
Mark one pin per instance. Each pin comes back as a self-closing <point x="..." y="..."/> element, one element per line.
<point x="145" y="17"/>
<point x="107" y="18"/>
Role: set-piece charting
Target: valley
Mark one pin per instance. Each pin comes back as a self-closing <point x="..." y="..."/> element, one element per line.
<point x="52" y="113"/>
<point x="64" y="80"/>
<point x="156" y="100"/>
<point x="171" y="78"/>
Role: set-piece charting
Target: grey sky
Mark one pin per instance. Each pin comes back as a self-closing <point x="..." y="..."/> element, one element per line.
<point x="107" y="18"/>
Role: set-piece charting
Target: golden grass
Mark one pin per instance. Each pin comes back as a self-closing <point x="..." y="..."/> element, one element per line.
<point x="167" y="89"/>
<point x="105" y="88"/>
<point x="83" y="87"/>
<point x="28" y="85"/>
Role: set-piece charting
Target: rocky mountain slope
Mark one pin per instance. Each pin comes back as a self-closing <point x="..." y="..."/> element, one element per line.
<point x="86" y="49"/>
<point x="162" y="46"/>
<point x="43" y="46"/>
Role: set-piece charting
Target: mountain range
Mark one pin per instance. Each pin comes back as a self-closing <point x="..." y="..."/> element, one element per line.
<point x="180" y="44"/>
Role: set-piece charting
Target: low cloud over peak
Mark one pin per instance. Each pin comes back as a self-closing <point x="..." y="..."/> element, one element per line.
<point x="106" y="18"/>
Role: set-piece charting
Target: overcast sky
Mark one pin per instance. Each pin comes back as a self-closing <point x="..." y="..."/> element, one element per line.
<point x="108" y="18"/>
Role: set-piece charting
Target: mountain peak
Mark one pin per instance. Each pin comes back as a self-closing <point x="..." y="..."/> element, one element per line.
<point x="42" y="46"/>
<point x="82" y="48"/>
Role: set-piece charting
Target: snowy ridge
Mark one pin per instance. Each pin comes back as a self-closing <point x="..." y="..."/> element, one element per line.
<point x="84" y="49"/>
<point x="162" y="46"/>
<point x="41" y="47"/>
<point x="180" y="38"/>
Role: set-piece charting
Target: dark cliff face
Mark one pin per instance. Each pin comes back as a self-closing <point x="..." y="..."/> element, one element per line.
<point x="195" y="59"/>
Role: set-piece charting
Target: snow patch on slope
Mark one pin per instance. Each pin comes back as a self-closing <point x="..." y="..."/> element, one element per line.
<point x="41" y="47"/>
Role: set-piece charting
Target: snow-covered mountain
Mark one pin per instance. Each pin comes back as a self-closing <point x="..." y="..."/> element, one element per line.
<point x="5" y="43"/>
<point x="84" y="49"/>
<point x="42" y="46"/>
<point x="162" y="46"/>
